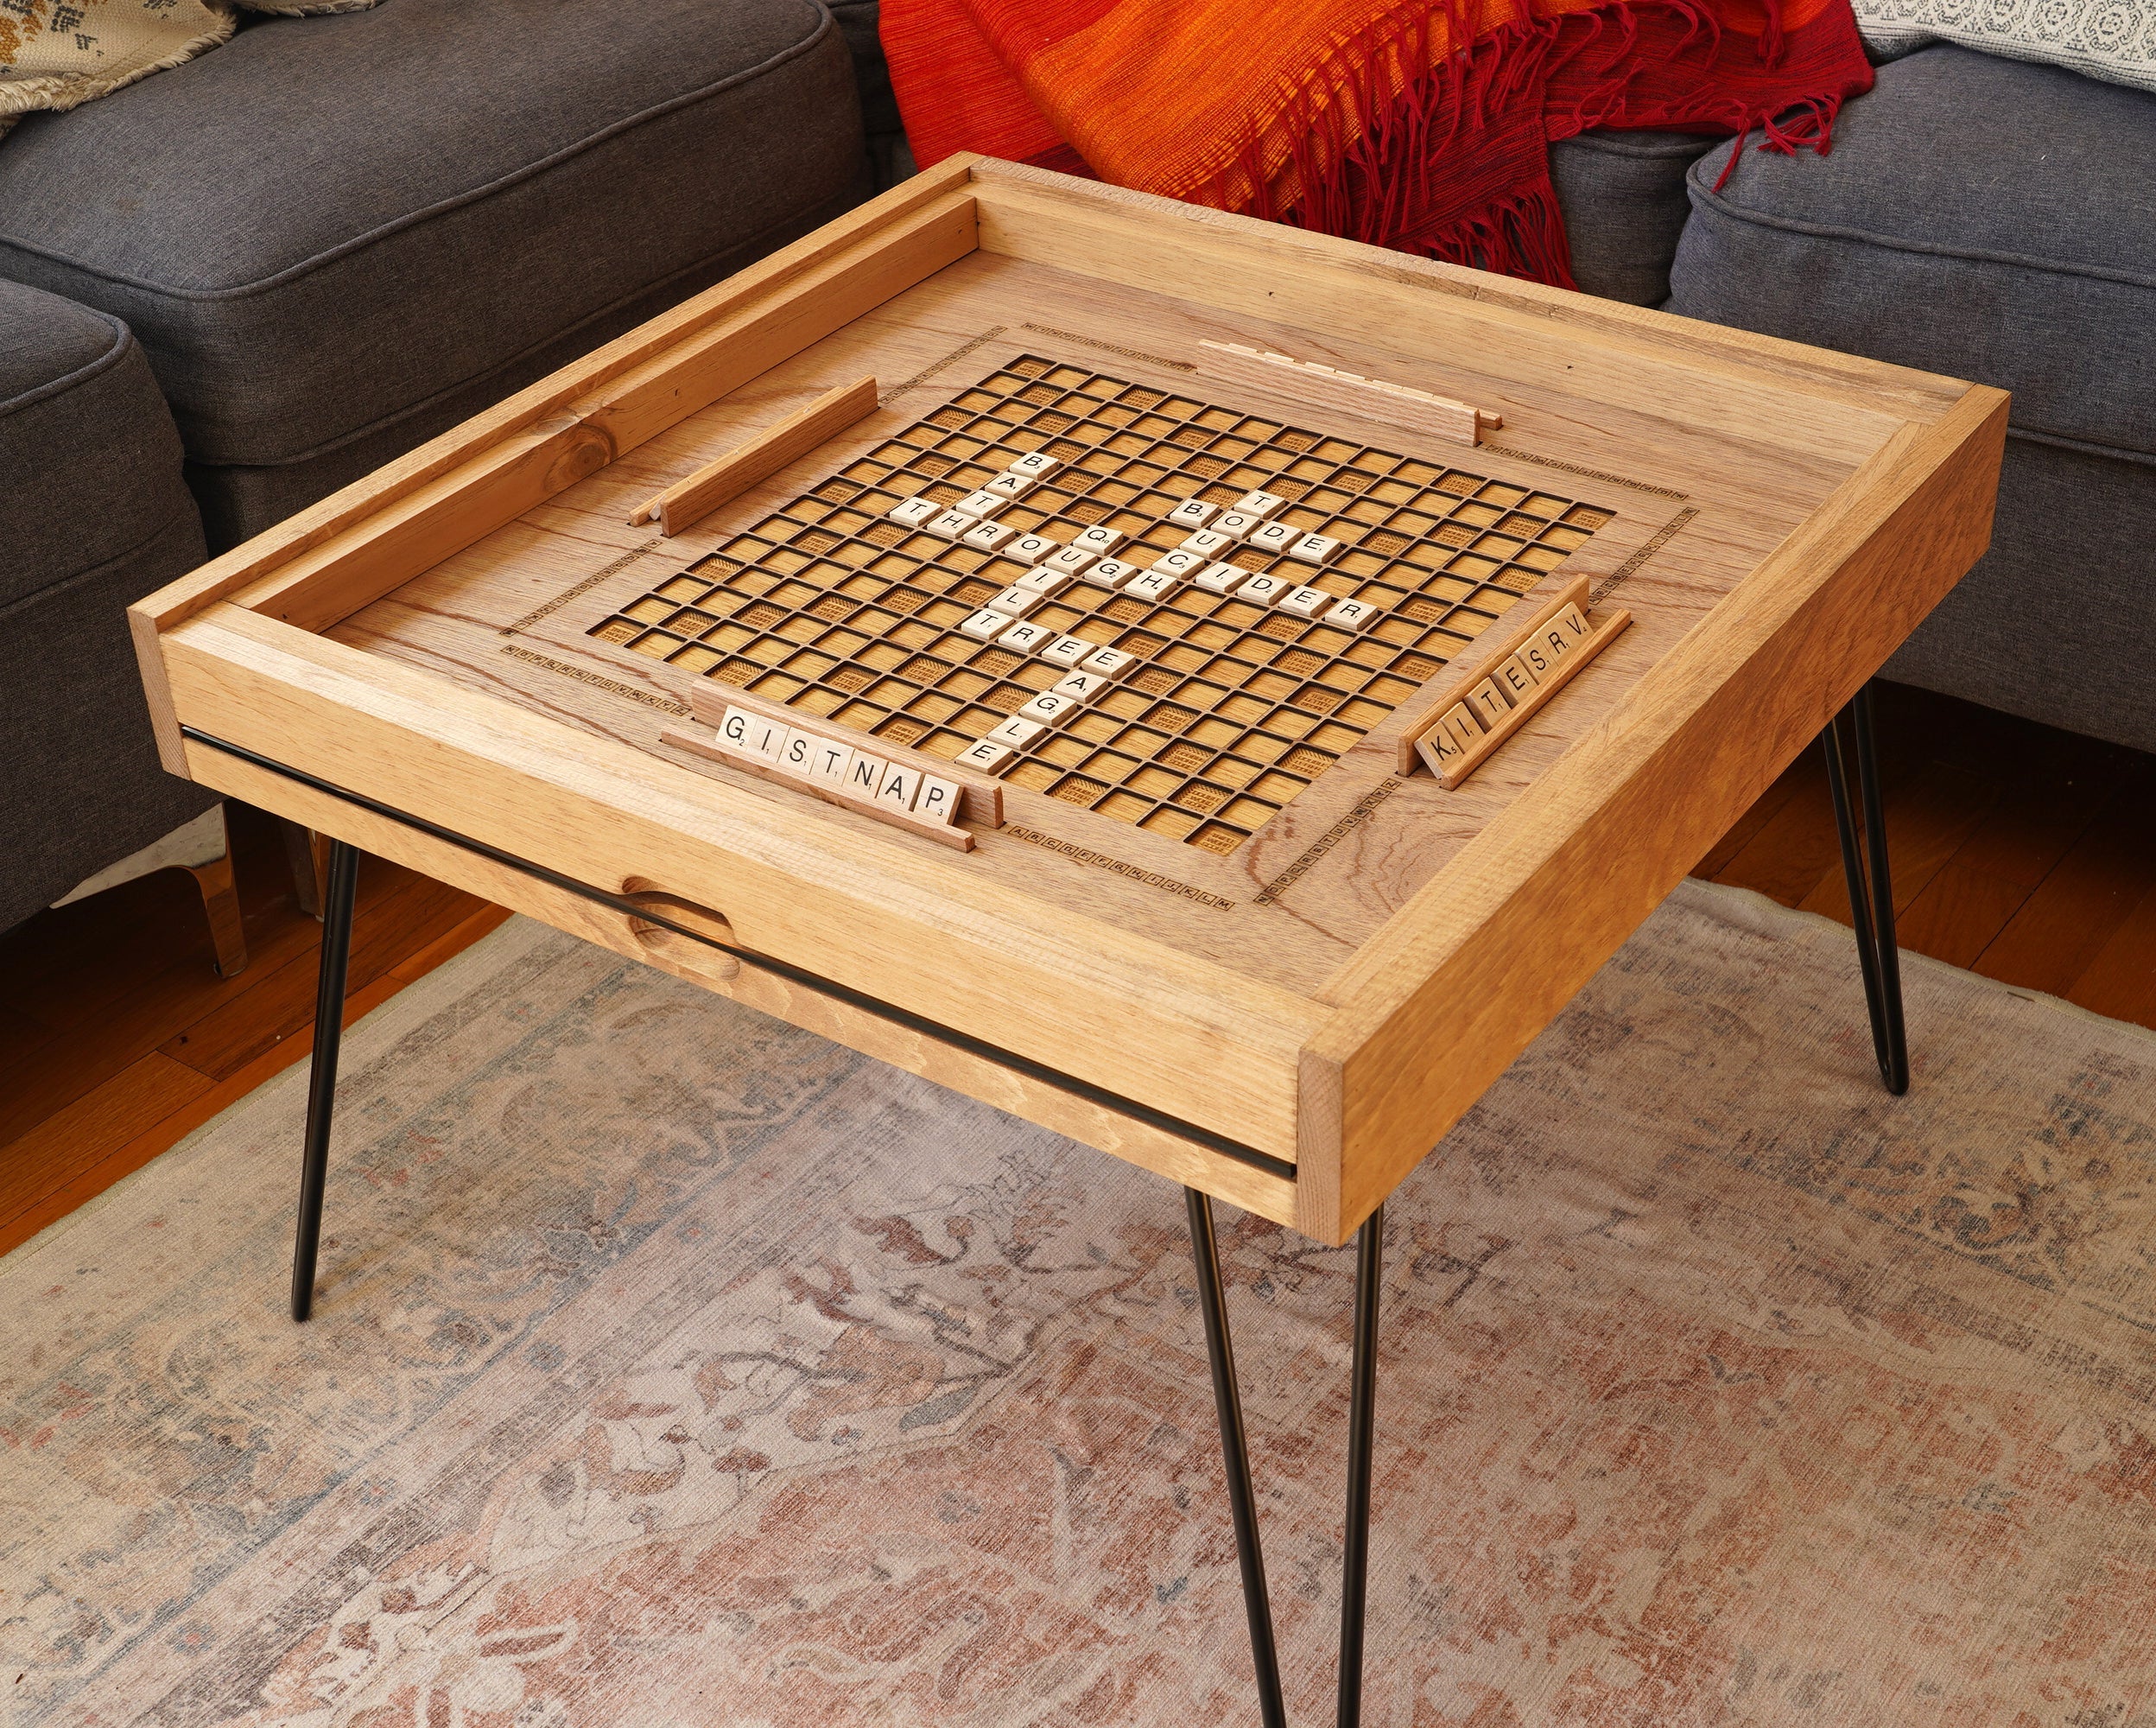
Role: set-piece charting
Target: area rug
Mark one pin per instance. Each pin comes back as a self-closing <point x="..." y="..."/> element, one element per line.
<point x="674" y="1367"/>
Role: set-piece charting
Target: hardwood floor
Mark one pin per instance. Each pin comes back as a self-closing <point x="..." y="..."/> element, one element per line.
<point x="117" y="1037"/>
<point x="2024" y="853"/>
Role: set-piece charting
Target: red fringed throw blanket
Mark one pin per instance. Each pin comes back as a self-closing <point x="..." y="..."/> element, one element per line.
<point x="1421" y="126"/>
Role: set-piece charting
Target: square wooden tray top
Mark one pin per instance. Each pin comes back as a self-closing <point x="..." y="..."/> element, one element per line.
<point x="1219" y="932"/>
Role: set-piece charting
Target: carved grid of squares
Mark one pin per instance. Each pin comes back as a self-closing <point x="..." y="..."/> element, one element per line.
<point x="1235" y="707"/>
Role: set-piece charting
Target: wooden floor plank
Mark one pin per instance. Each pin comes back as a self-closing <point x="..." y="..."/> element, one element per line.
<point x="396" y="911"/>
<point x="1929" y="817"/>
<point x="2121" y="980"/>
<point x="123" y="1157"/>
<point x="1959" y="913"/>
<point x="64" y="1145"/>
<point x="1795" y="848"/>
<point x="2079" y="907"/>
<point x="2047" y="800"/>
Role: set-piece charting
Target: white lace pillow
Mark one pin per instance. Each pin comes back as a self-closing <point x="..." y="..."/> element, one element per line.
<point x="2114" y="40"/>
<point x="62" y="54"/>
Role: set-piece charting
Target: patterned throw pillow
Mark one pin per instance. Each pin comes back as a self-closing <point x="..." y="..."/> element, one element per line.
<point x="2114" y="40"/>
<point x="59" y="54"/>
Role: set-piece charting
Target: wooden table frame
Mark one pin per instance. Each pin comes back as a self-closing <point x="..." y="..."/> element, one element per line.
<point x="1304" y="1101"/>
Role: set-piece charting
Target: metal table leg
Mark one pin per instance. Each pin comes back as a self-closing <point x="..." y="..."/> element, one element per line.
<point x="321" y="1086"/>
<point x="1362" y="1420"/>
<point x="1228" y="1405"/>
<point x="1235" y="1448"/>
<point x="1871" y="889"/>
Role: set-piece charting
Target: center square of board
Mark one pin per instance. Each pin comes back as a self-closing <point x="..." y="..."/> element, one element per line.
<point x="1231" y="709"/>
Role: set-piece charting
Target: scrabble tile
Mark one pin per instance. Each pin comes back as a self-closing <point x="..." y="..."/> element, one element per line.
<point x="1193" y="513"/>
<point x="988" y="534"/>
<point x="1305" y="602"/>
<point x="1010" y="485"/>
<point x="734" y="731"/>
<point x="1314" y="549"/>
<point x="1455" y="733"/>
<point x="913" y="511"/>
<point x="1068" y="650"/>
<point x="1048" y="707"/>
<point x="1273" y="537"/>
<point x="1071" y="560"/>
<point x="952" y="525"/>
<point x="1037" y="465"/>
<point x="1575" y="627"/>
<point x="1543" y="655"/>
<point x="1110" y="662"/>
<point x="1100" y="540"/>
<point x="1220" y="578"/>
<point x="766" y="738"/>
<point x="1108" y="573"/>
<point x="1259" y="504"/>
<point x="985" y="626"/>
<point x="864" y="774"/>
<point x="1207" y="544"/>
<point x="901" y="785"/>
<point x="1264" y="589"/>
<point x="937" y="800"/>
<point x="1031" y="548"/>
<point x="986" y="756"/>
<point x="1352" y="614"/>
<point x="796" y="753"/>
<point x="978" y="505"/>
<point x="1515" y="677"/>
<point x="1016" y="733"/>
<point x="1179" y="563"/>
<point x="1025" y="638"/>
<point x="1017" y="602"/>
<point x="829" y="762"/>
<point x="1153" y="584"/>
<point x="1081" y="686"/>
<point x="1486" y="702"/>
<point x="1236" y="523"/>
<point x="1044" y="583"/>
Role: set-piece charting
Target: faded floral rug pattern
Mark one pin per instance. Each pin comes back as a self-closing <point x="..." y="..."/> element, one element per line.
<point x="674" y="1367"/>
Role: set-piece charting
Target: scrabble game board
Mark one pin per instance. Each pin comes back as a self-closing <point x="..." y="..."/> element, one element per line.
<point x="1265" y="593"/>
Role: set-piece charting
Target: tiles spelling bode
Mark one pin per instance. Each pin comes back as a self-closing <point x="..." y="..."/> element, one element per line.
<point x="1220" y="605"/>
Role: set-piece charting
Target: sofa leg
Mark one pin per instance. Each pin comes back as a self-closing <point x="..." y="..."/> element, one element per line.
<point x="221" y="901"/>
<point x="308" y="854"/>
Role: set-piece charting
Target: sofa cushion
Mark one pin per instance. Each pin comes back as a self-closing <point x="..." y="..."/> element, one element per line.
<point x="1622" y="195"/>
<point x="334" y="227"/>
<point x="93" y="515"/>
<point x="91" y="458"/>
<point x="2070" y="547"/>
<point x="1978" y="217"/>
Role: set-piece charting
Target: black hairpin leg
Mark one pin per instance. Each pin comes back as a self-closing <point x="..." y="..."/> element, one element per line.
<point x="1362" y="1422"/>
<point x="321" y="1083"/>
<point x="1228" y="1404"/>
<point x="1870" y="891"/>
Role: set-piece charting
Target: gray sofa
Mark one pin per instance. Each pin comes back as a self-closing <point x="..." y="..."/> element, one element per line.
<point x="1980" y="217"/>
<point x="235" y="286"/>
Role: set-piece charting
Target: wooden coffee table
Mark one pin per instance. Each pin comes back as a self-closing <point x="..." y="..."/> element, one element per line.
<point x="1436" y="624"/>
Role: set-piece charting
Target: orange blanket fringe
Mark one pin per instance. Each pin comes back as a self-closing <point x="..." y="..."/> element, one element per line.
<point x="1423" y="127"/>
